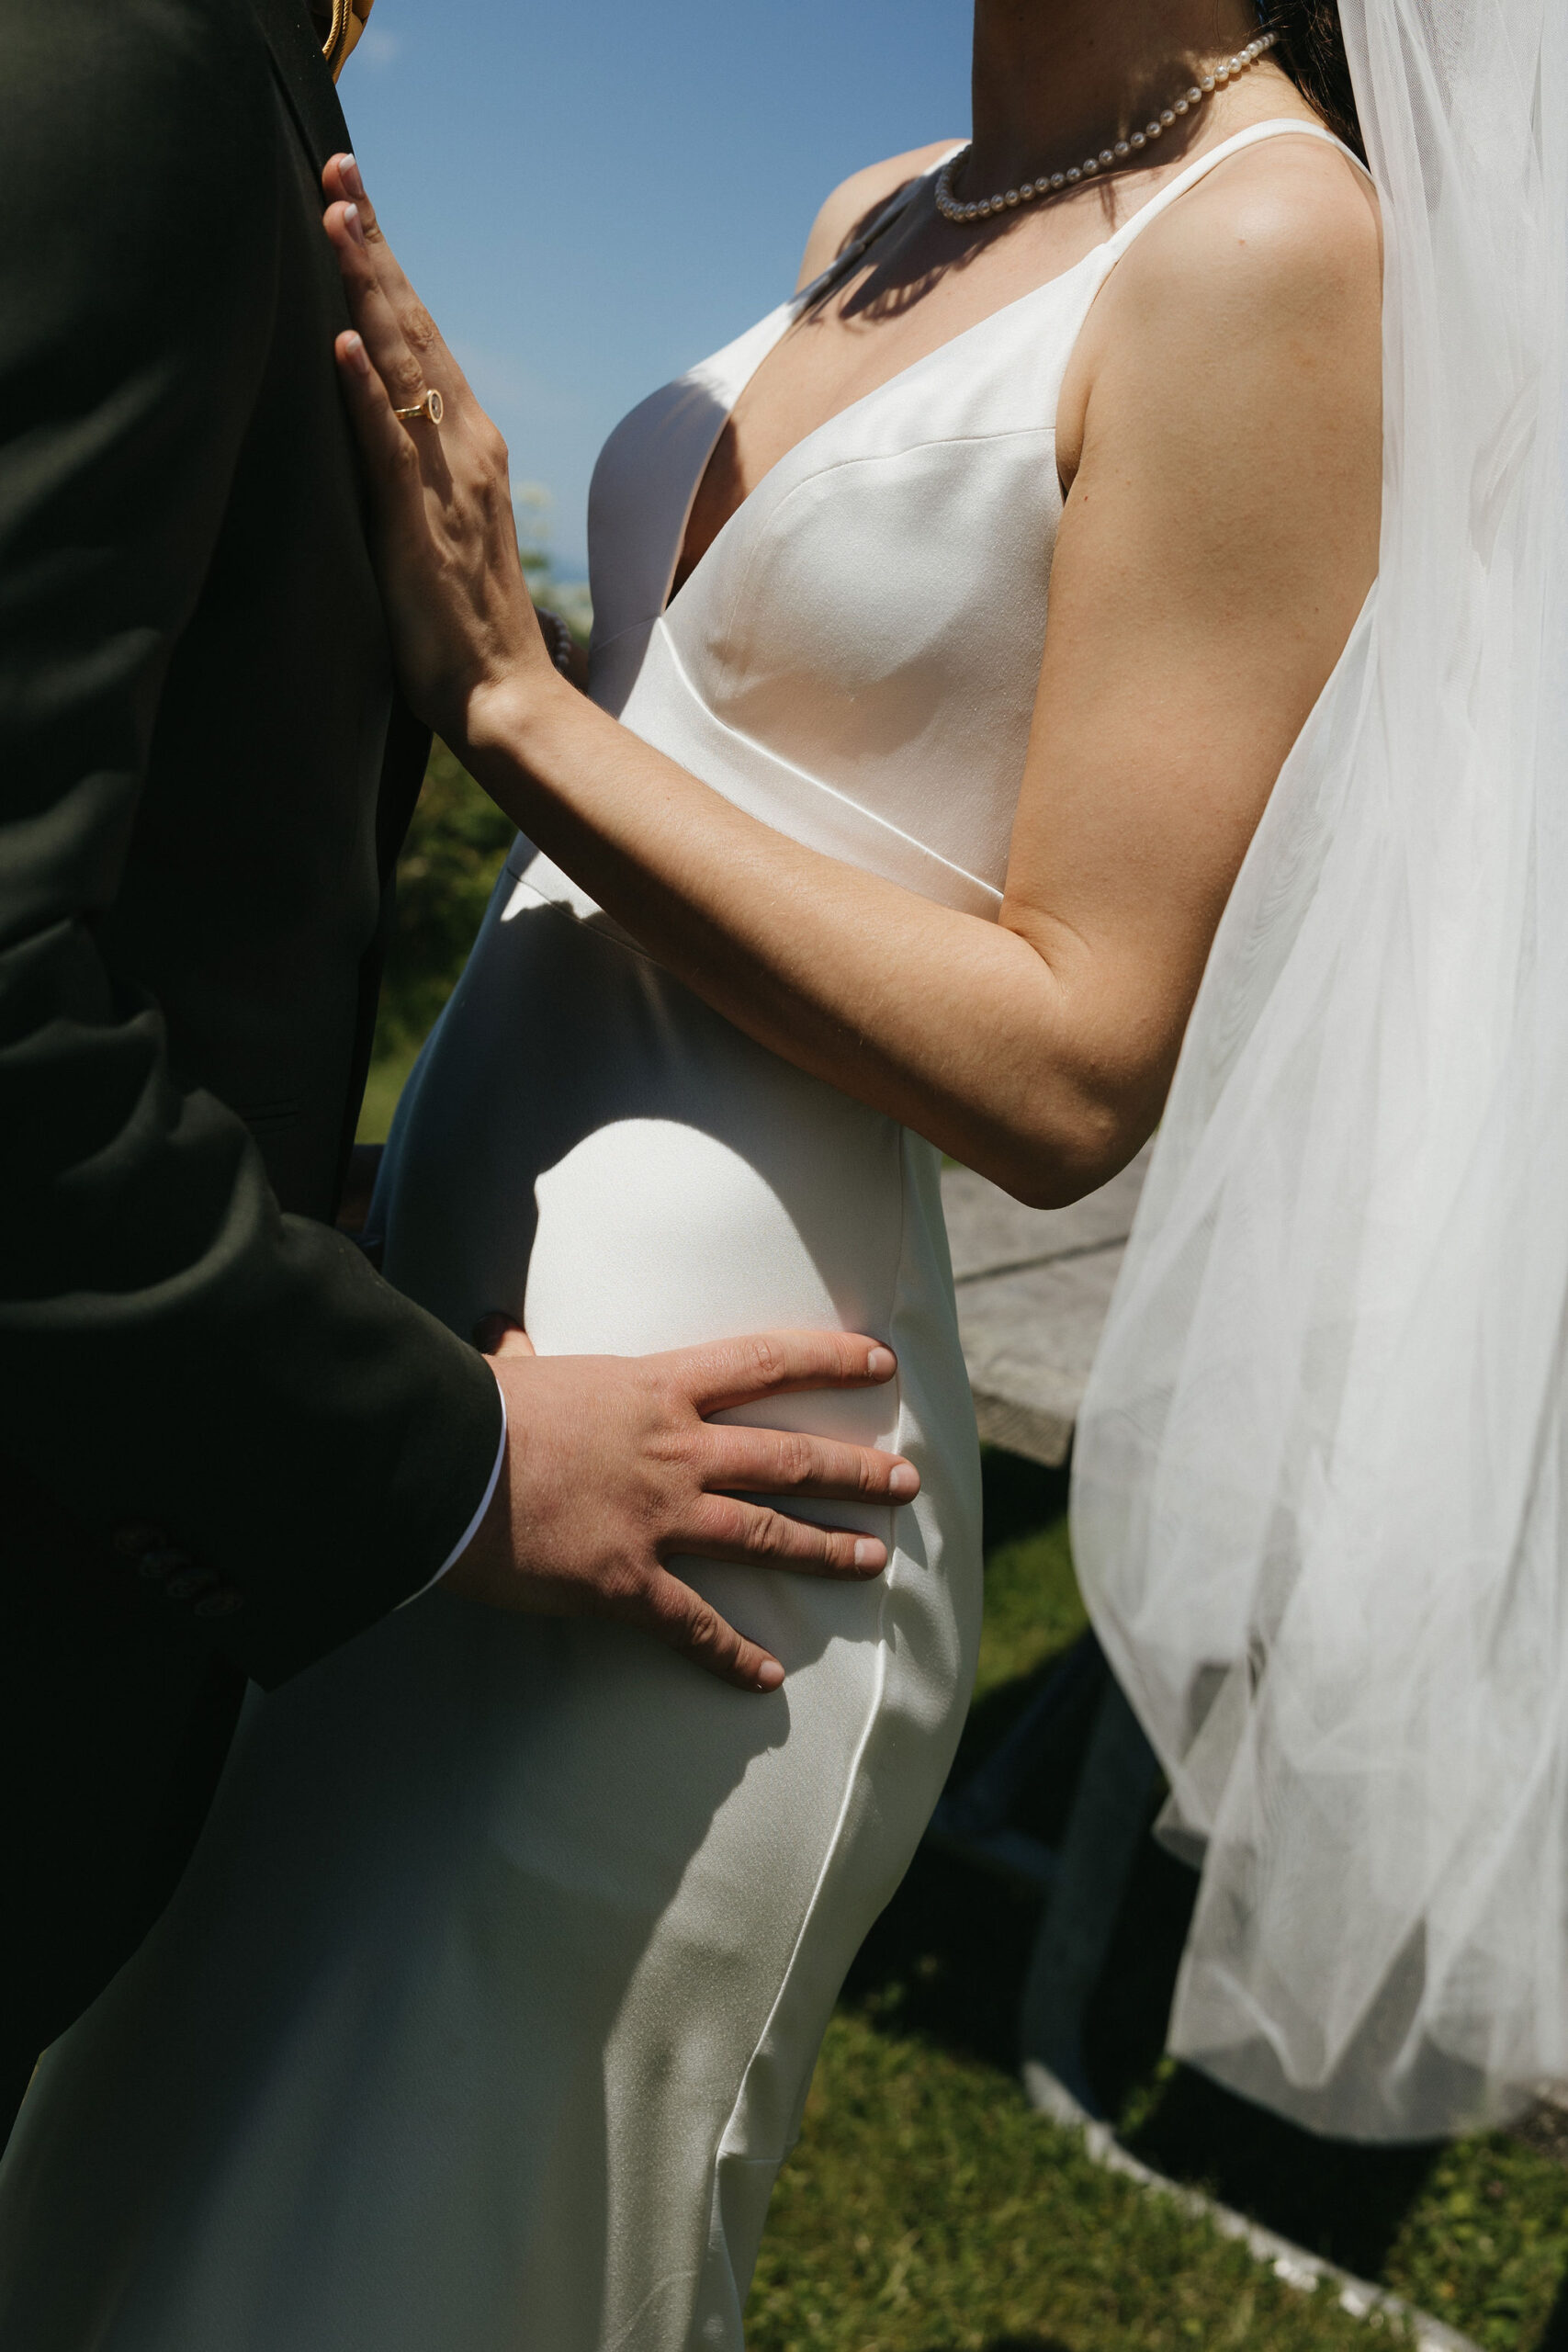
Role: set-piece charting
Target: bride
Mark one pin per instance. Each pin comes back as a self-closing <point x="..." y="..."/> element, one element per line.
<point x="488" y="2010"/>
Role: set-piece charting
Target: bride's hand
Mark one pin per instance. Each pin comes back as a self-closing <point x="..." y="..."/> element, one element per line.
<point x="444" y="538"/>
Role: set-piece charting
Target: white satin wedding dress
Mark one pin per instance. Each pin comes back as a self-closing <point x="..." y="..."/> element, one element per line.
<point x="487" y="2010"/>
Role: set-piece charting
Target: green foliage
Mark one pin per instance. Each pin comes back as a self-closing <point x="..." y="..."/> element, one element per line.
<point x="445" y="874"/>
<point x="453" y="854"/>
<point x="569" y="598"/>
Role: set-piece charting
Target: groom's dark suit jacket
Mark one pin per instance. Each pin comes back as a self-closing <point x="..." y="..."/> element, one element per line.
<point x="225" y="1445"/>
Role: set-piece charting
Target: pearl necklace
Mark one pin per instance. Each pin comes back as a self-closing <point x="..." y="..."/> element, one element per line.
<point x="948" y="205"/>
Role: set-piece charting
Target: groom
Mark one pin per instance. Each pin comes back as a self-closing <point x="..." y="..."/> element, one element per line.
<point x="226" y="1445"/>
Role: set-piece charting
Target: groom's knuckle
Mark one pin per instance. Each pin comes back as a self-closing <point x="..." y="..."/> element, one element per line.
<point x="705" y="1628"/>
<point x="683" y="1620"/>
<point x="657" y="1603"/>
<point x="621" y="1586"/>
<point x="724" y="1520"/>
<point x="666" y="1403"/>
<point x="796" y="1459"/>
<point x="637" y="1566"/>
<point x="767" y="1534"/>
<point x="678" y="1445"/>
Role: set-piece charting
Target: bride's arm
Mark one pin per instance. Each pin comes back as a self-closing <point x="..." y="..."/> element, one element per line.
<point x="1219" y="538"/>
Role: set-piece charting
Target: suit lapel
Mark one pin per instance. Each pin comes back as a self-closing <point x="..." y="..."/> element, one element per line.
<point x="302" y="70"/>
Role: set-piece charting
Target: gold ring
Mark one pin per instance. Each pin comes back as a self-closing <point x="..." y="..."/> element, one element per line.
<point x="430" y="405"/>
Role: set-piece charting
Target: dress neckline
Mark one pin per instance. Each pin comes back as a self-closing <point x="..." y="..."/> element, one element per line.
<point x="785" y="313"/>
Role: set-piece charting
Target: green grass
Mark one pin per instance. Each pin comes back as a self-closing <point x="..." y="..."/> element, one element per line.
<point x="1485" y="2243"/>
<point x="1032" y="1606"/>
<point x="448" y="869"/>
<point x="927" y="2208"/>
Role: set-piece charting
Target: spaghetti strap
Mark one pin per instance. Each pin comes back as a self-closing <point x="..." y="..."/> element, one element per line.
<point x="1110" y="252"/>
<point x="1278" y="127"/>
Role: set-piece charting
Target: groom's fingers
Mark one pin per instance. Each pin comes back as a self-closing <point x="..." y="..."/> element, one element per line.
<point x="776" y="1364"/>
<point x="686" y="1622"/>
<point x="724" y="1527"/>
<point x="772" y="1364"/>
<point x="683" y="1620"/>
<point x="789" y="1461"/>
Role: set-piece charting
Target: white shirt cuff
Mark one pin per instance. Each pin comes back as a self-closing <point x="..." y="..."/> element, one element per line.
<point x="468" y="1533"/>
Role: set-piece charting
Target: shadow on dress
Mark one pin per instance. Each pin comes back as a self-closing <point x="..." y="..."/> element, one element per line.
<point x="197" y="2113"/>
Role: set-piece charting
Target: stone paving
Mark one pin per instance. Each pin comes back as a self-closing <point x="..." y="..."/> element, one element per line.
<point x="1033" y="1289"/>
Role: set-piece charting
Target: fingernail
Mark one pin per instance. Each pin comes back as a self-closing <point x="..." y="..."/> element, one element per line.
<point x="348" y="172"/>
<point x="351" y="222"/>
<point x="357" y="356"/>
<point x="879" y="1363"/>
<point x="769" y="1675"/>
<point x="904" y="1482"/>
<point x="869" y="1553"/>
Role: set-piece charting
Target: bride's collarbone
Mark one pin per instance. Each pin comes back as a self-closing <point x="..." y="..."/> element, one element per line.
<point x="927" y="291"/>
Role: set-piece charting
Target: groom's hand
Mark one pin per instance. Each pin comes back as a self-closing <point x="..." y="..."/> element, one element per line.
<point x="611" y="1467"/>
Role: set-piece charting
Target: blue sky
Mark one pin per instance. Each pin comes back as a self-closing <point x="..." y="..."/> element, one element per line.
<point x="592" y="197"/>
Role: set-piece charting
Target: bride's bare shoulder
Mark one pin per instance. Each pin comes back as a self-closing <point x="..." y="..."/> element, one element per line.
<point x="1284" y="219"/>
<point x="1267" y="275"/>
<point x="857" y="201"/>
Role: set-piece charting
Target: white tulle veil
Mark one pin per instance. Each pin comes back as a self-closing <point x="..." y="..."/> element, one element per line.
<point x="1320" y="1491"/>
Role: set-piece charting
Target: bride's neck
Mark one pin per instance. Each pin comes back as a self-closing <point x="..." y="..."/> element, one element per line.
<point x="1054" y="78"/>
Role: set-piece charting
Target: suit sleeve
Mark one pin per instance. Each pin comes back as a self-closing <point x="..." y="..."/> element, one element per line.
<point x="173" y="1350"/>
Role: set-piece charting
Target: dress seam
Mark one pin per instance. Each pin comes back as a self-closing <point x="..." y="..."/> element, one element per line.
<point x="860" y="812"/>
<point x="1039" y="430"/>
<point x="770" y="518"/>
